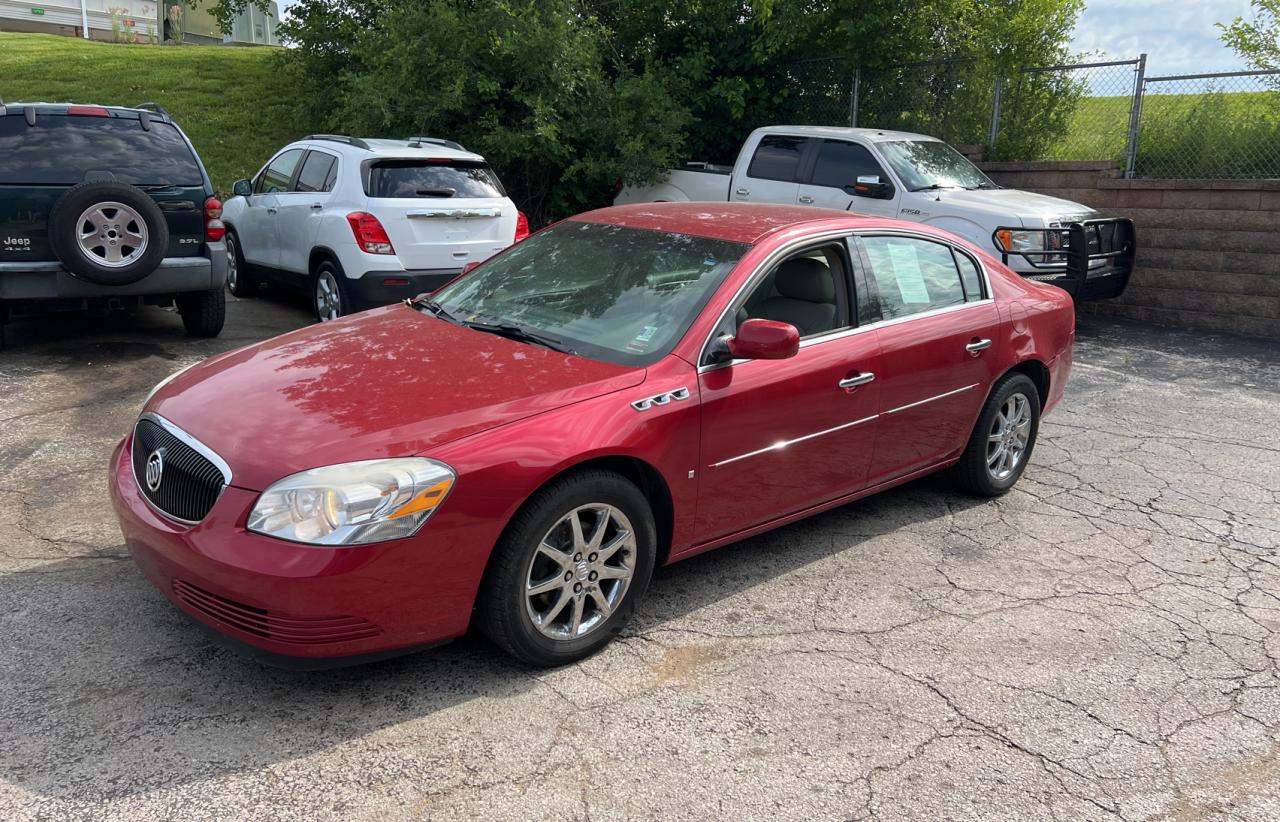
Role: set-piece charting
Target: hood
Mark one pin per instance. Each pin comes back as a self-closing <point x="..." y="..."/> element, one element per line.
<point x="1034" y="210"/>
<point x="387" y="383"/>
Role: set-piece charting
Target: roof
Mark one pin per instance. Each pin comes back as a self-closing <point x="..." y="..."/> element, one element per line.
<point x="391" y="149"/>
<point x="735" y="222"/>
<point x="872" y="134"/>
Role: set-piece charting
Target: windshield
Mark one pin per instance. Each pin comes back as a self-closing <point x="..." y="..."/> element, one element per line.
<point x="924" y="164"/>
<point x="622" y="295"/>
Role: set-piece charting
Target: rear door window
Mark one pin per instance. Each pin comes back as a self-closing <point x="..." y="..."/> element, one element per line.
<point x="777" y="158"/>
<point x="316" y="173"/>
<point x="275" y="178"/>
<point x="409" y="179"/>
<point x="912" y="276"/>
<point x="61" y="150"/>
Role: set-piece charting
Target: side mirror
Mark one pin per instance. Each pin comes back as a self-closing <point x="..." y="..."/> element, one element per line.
<point x="764" y="340"/>
<point x="871" y="186"/>
<point x="241" y="188"/>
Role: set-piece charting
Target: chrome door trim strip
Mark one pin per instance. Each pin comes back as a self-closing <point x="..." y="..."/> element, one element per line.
<point x="930" y="399"/>
<point x="778" y="446"/>
<point x="195" y="444"/>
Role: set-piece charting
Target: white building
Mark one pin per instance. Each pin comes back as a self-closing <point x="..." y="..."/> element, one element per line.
<point x="142" y="21"/>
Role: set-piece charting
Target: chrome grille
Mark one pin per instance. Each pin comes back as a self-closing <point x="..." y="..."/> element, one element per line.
<point x="189" y="481"/>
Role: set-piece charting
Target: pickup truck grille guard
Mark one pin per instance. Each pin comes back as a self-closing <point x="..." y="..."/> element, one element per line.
<point x="1089" y="259"/>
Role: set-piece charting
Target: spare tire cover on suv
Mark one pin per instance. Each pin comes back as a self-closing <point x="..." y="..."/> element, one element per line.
<point x="108" y="233"/>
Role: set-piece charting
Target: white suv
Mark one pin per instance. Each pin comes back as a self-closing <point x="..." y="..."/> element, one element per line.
<point x="361" y="223"/>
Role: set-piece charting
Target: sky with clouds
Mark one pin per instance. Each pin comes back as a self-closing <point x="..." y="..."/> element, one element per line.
<point x="1178" y="36"/>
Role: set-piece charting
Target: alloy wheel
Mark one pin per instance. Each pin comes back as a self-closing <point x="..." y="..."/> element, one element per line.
<point x="580" y="572"/>
<point x="111" y="234"/>
<point x="233" y="270"/>
<point x="328" y="296"/>
<point x="1007" y="440"/>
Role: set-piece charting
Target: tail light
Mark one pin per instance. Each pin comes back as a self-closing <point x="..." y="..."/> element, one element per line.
<point x="370" y="235"/>
<point x="87" y="111"/>
<point x="214" y="230"/>
<point x="522" y="226"/>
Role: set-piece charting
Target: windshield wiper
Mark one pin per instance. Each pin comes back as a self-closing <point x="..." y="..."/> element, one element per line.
<point x="434" y="307"/>
<point x="436" y="192"/>
<point x="519" y="333"/>
<point x="984" y="185"/>
<point x="934" y="187"/>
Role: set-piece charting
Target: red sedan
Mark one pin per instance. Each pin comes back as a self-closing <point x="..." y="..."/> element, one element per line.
<point x="625" y="389"/>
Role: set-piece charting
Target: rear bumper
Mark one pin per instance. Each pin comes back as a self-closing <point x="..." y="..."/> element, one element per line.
<point x="378" y="288"/>
<point x="174" y="275"/>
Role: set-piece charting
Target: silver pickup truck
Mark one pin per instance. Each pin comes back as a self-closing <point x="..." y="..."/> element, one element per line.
<point x="918" y="178"/>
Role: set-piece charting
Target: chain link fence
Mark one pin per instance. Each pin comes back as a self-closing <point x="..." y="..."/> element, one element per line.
<point x="1210" y="125"/>
<point x="1223" y="125"/>
<point x="1075" y="112"/>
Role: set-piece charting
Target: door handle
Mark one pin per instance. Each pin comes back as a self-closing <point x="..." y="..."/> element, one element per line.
<point x="317" y="206"/>
<point x="743" y="192"/>
<point x="977" y="346"/>
<point x="271" y="210"/>
<point x="806" y="199"/>
<point x="856" y="380"/>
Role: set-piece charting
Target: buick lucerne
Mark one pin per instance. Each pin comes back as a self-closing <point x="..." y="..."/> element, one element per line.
<point x="519" y="450"/>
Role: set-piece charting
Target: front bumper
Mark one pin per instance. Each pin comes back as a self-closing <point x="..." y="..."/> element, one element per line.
<point x="377" y="288"/>
<point x="295" y="605"/>
<point x="174" y="275"/>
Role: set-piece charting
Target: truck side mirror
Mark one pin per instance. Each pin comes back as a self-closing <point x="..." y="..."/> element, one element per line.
<point x="870" y="186"/>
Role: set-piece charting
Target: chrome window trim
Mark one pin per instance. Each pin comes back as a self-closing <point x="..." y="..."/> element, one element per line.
<point x="840" y="333"/>
<point x="781" y="444"/>
<point x="195" y="444"/>
<point x="754" y="279"/>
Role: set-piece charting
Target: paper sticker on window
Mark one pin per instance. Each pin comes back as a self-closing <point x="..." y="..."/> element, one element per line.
<point x="906" y="270"/>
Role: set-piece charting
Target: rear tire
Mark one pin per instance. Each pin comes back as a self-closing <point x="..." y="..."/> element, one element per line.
<point x="241" y="280"/>
<point x="1002" y="440"/>
<point x="203" y="312"/>
<point x="329" y="292"/>
<point x="589" y="587"/>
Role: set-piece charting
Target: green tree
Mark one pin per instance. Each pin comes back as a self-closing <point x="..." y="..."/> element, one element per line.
<point x="567" y="96"/>
<point x="530" y="84"/>
<point x="1256" y="40"/>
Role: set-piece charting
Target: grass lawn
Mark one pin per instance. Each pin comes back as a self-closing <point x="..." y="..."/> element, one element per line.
<point x="1209" y="134"/>
<point x="231" y="101"/>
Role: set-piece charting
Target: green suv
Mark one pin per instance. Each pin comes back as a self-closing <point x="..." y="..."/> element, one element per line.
<point x="107" y="207"/>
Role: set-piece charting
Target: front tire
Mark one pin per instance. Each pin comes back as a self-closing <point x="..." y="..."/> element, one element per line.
<point x="1001" y="443"/>
<point x="203" y="312"/>
<point x="329" y="293"/>
<point x="241" y="281"/>
<point x="569" y="570"/>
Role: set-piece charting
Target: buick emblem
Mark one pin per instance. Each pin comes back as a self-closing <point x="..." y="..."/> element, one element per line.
<point x="155" y="469"/>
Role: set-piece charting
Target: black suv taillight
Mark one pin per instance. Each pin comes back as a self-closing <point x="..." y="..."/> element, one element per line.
<point x="214" y="230"/>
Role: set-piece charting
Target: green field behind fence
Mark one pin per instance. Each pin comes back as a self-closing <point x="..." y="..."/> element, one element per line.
<point x="1209" y="134"/>
<point x="231" y="102"/>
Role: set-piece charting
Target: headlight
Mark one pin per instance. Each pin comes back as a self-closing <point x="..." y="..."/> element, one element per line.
<point x="354" y="503"/>
<point x="1021" y="240"/>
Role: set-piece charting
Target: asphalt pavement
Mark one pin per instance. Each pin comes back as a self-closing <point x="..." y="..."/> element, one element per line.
<point x="1101" y="643"/>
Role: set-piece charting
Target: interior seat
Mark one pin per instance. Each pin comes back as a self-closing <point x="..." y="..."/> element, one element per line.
<point x="806" y="297"/>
